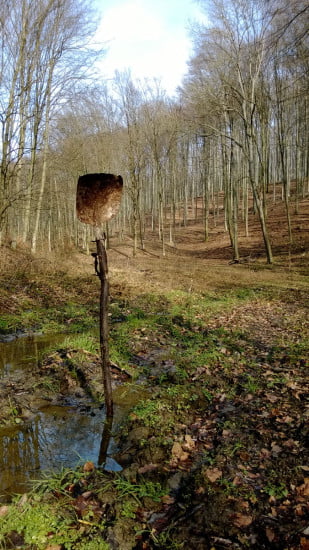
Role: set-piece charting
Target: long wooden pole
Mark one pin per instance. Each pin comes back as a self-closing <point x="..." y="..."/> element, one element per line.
<point x="104" y="300"/>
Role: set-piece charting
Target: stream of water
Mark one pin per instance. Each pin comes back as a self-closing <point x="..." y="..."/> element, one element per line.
<point x="57" y="436"/>
<point x="18" y="353"/>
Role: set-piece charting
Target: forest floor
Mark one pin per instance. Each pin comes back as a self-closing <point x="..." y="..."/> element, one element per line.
<point x="215" y="450"/>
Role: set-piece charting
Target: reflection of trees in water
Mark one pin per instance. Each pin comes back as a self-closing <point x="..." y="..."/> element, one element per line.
<point x="59" y="437"/>
<point x="19" y="457"/>
<point x="66" y="437"/>
<point x="23" y="350"/>
<point x="105" y="440"/>
<point x="15" y="353"/>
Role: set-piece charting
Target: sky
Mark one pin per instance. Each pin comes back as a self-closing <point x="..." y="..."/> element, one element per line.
<point x="149" y="37"/>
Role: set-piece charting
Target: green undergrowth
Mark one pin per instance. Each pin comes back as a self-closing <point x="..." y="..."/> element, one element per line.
<point x="49" y="302"/>
<point x="67" y="318"/>
<point x="36" y="524"/>
<point x="75" y="509"/>
<point x="224" y="410"/>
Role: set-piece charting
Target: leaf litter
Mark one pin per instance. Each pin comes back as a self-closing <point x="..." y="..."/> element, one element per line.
<point x="224" y="433"/>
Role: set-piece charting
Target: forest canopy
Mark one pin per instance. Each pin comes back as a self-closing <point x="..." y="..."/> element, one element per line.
<point x="238" y="126"/>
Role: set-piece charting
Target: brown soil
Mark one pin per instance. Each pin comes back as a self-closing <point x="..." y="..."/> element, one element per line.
<point x="191" y="264"/>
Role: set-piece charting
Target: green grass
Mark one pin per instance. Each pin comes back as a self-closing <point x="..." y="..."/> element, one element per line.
<point x="68" y="318"/>
<point x="42" y="519"/>
<point x="155" y="413"/>
<point x="9" y="323"/>
<point x="86" y="341"/>
<point x="46" y="517"/>
<point x="143" y="489"/>
<point x="40" y="524"/>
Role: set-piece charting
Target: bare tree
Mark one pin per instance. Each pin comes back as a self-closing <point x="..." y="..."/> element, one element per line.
<point x="45" y="47"/>
<point x="130" y="100"/>
<point x="231" y="57"/>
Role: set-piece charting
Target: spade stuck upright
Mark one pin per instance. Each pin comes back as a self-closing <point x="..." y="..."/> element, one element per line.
<point x="98" y="200"/>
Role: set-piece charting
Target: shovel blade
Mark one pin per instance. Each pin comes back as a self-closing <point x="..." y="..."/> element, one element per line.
<point x="98" y="198"/>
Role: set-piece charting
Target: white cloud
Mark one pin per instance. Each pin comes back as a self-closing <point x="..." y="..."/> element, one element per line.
<point x="147" y="36"/>
<point x="130" y="22"/>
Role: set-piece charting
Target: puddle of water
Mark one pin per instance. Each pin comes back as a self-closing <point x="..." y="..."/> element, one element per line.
<point x="24" y="351"/>
<point x="58" y="437"/>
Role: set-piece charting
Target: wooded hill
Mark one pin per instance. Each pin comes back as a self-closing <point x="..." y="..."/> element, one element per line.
<point x="235" y="136"/>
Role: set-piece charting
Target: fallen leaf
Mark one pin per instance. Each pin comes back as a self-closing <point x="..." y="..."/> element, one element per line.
<point x="87" y="494"/>
<point x="304" y="543"/>
<point x="303" y="489"/>
<point x="287" y="419"/>
<point x="237" y="480"/>
<point x="242" y="520"/>
<point x="147" y="468"/>
<point x="244" y="504"/>
<point x="167" y="499"/>
<point x="264" y="453"/>
<point x="189" y="443"/>
<point x="249" y="397"/>
<point x="270" y="534"/>
<point x="251" y="475"/>
<point x="299" y="510"/>
<point x="272" y="398"/>
<point x="184" y="456"/>
<point x="3" y="511"/>
<point x="177" y="450"/>
<point x="178" y="453"/>
<point x="213" y="474"/>
<point x="292" y="385"/>
<point x="290" y="443"/>
<point x="276" y="449"/>
<point x="243" y="455"/>
<point x="88" y="466"/>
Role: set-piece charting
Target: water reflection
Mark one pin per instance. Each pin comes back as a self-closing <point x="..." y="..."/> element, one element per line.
<point x="24" y="351"/>
<point x="58" y="437"/>
<point x="105" y="440"/>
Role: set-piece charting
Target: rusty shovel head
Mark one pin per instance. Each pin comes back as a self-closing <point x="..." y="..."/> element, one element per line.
<point x="98" y="198"/>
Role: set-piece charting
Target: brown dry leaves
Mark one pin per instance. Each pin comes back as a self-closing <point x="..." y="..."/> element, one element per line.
<point x="181" y="450"/>
<point x="241" y="520"/>
<point x="213" y="474"/>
